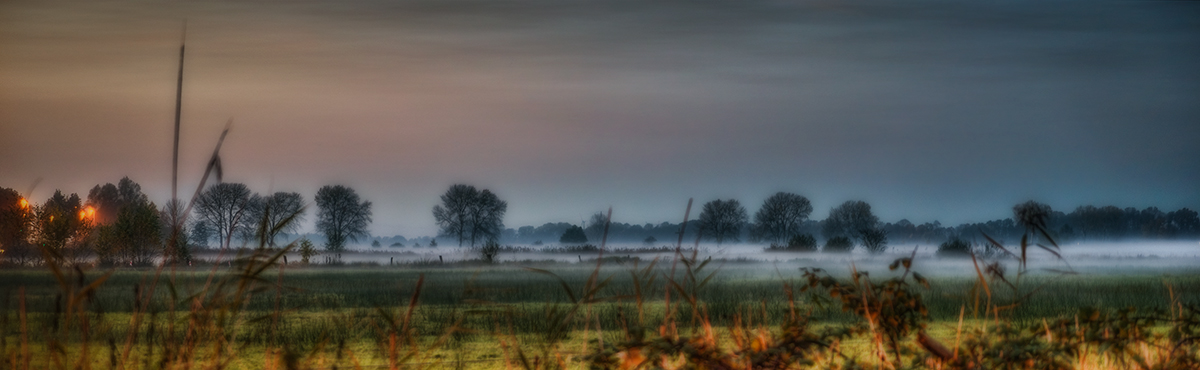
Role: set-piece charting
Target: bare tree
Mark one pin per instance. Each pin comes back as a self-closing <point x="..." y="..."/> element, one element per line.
<point x="452" y="216"/>
<point x="276" y="208"/>
<point x="224" y="206"/>
<point x="170" y="215"/>
<point x="780" y="217"/>
<point x="722" y="220"/>
<point x="487" y="217"/>
<point x="341" y="216"/>
<point x="470" y="215"/>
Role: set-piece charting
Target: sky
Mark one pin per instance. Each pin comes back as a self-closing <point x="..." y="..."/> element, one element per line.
<point x="928" y="110"/>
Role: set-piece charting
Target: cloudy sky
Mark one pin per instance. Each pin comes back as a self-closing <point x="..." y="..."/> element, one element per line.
<point x="928" y="110"/>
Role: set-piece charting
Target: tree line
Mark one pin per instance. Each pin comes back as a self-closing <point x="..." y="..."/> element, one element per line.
<point x="118" y="225"/>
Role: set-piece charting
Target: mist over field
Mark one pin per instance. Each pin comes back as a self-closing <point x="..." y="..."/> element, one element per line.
<point x="602" y="184"/>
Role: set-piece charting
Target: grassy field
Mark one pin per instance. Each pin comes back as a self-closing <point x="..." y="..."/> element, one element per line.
<point x="320" y="317"/>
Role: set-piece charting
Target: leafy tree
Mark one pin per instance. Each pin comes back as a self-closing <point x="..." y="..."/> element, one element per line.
<point x="306" y="250"/>
<point x="573" y="235"/>
<point x="470" y="215"/>
<point x="16" y="227"/>
<point x="649" y="241"/>
<point x="722" y="220"/>
<point x="108" y="199"/>
<point x="341" y="216"/>
<point x="134" y="239"/>
<point x="1183" y="222"/>
<point x="852" y="219"/>
<point x="780" y="217"/>
<point x="201" y="233"/>
<point x="58" y="220"/>
<point x="376" y="244"/>
<point x="224" y="207"/>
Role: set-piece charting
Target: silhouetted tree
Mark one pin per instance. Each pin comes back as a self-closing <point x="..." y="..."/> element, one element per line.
<point x="722" y="220"/>
<point x="201" y="233"/>
<point x="108" y="199"/>
<point x="487" y="217"/>
<point x="453" y="215"/>
<point x="134" y="238"/>
<point x="224" y="207"/>
<point x="954" y="247"/>
<point x="58" y="220"/>
<point x="470" y="215"/>
<point x="780" y="217"/>
<point x="176" y="241"/>
<point x="16" y="227"/>
<point x="1033" y="216"/>
<point x="874" y="240"/>
<point x="852" y="219"/>
<point x="573" y="235"/>
<point x="595" y="226"/>
<point x="341" y="216"/>
<point x="278" y="208"/>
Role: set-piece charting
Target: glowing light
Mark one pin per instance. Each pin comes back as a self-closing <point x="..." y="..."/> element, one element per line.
<point x="24" y="203"/>
<point x="87" y="213"/>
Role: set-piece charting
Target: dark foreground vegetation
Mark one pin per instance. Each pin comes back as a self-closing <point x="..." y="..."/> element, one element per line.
<point x="687" y="312"/>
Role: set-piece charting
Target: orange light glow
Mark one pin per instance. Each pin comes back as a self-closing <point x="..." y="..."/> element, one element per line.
<point x="87" y="213"/>
<point x="24" y="203"/>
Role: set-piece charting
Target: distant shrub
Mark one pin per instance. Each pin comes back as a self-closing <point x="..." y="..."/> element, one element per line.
<point x="798" y="243"/>
<point x="397" y="245"/>
<point x="804" y="242"/>
<point x="488" y="251"/>
<point x="648" y="249"/>
<point x="954" y="247"/>
<point x="650" y="240"/>
<point x="573" y="235"/>
<point x="875" y="240"/>
<point x="838" y="244"/>
<point x="376" y="244"/>
<point x="586" y="248"/>
<point x="537" y="242"/>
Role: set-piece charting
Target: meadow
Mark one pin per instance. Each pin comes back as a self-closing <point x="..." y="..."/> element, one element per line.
<point x="624" y="312"/>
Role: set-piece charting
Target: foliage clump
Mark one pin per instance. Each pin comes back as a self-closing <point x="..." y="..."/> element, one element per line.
<point x="839" y="244"/>
<point x="798" y="243"/>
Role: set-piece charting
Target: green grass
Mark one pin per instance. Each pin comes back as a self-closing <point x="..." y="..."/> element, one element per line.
<point x="321" y="292"/>
<point x="466" y="307"/>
